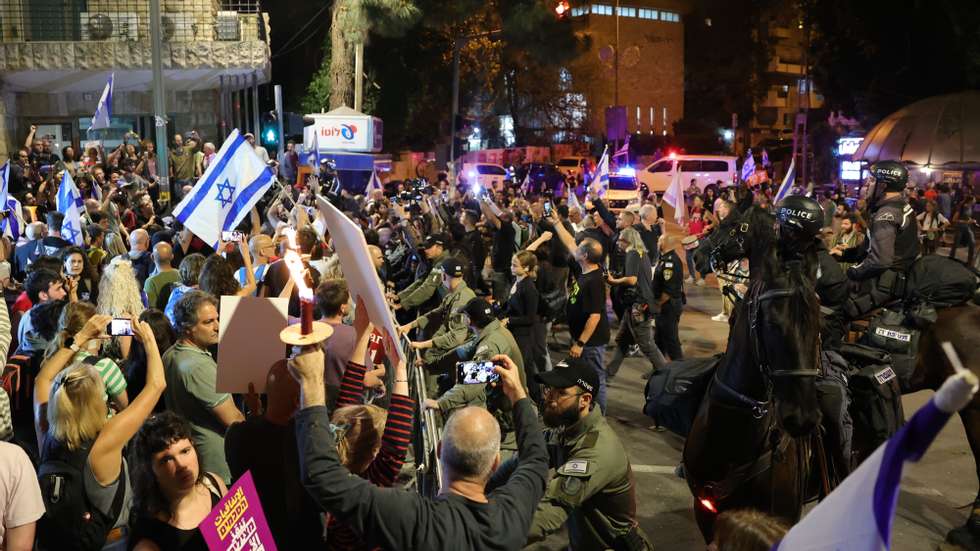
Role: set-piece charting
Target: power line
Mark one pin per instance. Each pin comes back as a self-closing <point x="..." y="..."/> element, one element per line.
<point x="299" y="32"/>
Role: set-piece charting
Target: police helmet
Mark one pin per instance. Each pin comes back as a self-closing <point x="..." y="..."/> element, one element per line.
<point x="892" y="174"/>
<point x="802" y="214"/>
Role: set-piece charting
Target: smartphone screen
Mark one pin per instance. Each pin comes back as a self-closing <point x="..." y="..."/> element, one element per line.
<point x="547" y="208"/>
<point x="231" y="236"/>
<point x="121" y="327"/>
<point x="476" y="373"/>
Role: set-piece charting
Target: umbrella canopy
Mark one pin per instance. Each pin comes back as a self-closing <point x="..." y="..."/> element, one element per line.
<point x="938" y="132"/>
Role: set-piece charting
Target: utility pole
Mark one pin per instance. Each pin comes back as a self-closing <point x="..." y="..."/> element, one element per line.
<point x="806" y="97"/>
<point x="358" y="75"/>
<point x="455" y="112"/>
<point x="159" y="102"/>
<point x="277" y="92"/>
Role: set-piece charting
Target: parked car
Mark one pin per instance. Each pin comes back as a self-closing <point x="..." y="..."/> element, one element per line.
<point x="706" y="169"/>
<point x="574" y="166"/>
<point x="623" y="188"/>
<point x="487" y="175"/>
<point x="544" y="176"/>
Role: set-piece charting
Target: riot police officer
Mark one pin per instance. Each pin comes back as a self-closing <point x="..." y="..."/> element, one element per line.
<point x="893" y="244"/>
<point x="421" y="292"/>
<point x="668" y="292"/>
<point x="593" y="489"/>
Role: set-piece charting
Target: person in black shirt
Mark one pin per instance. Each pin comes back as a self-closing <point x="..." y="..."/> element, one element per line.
<point x="504" y="247"/>
<point x="20" y="175"/>
<point x="649" y="228"/>
<point x="668" y="288"/>
<point x="53" y="243"/>
<point x="472" y="243"/>
<point x="475" y="510"/>
<point x="523" y="320"/>
<point x="586" y="311"/>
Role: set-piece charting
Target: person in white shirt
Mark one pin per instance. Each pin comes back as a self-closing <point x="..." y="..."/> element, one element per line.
<point x="21" y="504"/>
<point x="932" y="224"/>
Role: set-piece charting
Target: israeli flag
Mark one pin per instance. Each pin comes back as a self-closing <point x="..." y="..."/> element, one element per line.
<point x="765" y="158"/>
<point x="103" y="111"/>
<point x="526" y="185"/>
<point x="787" y="184"/>
<point x="234" y="181"/>
<point x="13" y="223"/>
<point x="623" y="151"/>
<point x="748" y="168"/>
<point x="600" y="179"/>
<point x="311" y="156"/>
<point x="858" y="514"/>
<point x="674" y="196"/>
<point x="4" y="182"/>
<point x="375" y="183"/>
<point x="573" y="201"/>
<point x="70" y="204"/>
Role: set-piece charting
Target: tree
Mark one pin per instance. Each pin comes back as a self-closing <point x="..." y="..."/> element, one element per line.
<point x="872" y="57"/>
<point x="351" y="23"/>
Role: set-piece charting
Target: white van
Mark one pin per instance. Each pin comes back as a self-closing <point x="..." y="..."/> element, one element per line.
<point x="488" y="175"/>
<point x="573" y="166"/>
<point x="706" y="169"/>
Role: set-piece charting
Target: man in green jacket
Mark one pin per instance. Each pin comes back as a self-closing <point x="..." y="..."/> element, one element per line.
<point x="425" y="284"/>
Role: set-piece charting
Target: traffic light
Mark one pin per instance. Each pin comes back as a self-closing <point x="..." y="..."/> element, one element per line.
<point x="270" y="129"/>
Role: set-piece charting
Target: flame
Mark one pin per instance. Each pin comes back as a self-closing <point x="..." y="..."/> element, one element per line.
<point x="707" y="504"/>
<point x="294" y="262"/>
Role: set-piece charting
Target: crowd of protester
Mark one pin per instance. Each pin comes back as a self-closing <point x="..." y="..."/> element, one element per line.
<point x="147" y="445"/>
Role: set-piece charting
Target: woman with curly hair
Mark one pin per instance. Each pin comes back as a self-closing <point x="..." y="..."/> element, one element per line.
<point x="172" y="495"/>
<point x="120" y="296"/>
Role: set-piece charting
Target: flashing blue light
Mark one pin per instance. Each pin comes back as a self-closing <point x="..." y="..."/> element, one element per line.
<point x="627" y="171"/>
<point x="471" y="174"/>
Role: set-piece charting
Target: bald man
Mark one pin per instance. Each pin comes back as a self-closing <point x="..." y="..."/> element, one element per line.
<point x="165" y="277"/>
<point x="139" y="254"/>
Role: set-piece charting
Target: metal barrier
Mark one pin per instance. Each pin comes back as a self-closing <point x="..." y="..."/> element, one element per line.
<point x="425" y="440"/>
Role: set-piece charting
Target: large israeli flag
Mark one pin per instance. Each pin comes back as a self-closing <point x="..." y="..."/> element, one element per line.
<point x="70" y="204"/>
<point x="374" y="184"/>
<point x="748" y="167"/>
<point x="103" y="111"/>
<point x="858" y="514"/>
<point x="600" y="178"/>
<point x="787" y="184"/>
<point x="234" y="181"/>
<point x="311" y="156"/>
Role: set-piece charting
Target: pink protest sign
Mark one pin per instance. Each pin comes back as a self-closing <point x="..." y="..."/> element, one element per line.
<point x="237" y="522"/>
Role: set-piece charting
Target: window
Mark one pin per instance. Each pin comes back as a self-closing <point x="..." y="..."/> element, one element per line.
<point x="584" y="10"/>
<point x="627" y="12"/>
<point x="492" y="170"/>
<point x="639" y="118"/>
<point x="622" y="183"/>
<point x="602" y="9"/>
<point x="648" y="14"/>
<point x="714" y="166"/>
<point x="653" y="119"/>
<point x="782" y="91"/>
<point x="669" y="16"/>
<point x="690" y="166"/>
<point x="786" y="119"/>
<point x="661" y="166"/>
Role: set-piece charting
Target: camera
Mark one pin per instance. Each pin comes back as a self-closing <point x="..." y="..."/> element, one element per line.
<point x="476" y="373"/>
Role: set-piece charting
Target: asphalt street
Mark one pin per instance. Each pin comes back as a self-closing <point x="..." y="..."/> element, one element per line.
<point x="936" y="492"/>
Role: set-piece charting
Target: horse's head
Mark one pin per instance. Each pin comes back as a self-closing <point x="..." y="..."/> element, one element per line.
<point x="784" y="317"/>
<point x="732" y="240"/>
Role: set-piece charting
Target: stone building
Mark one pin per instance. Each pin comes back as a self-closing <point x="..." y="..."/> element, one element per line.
<point x="650" y="62"/>
<point x="56" y="56"/>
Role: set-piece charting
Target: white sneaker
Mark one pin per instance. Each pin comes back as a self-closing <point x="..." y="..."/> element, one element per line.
<point x="700" y="282"/>
<point x="720" y="317"/>
<point x="688" y="279"/>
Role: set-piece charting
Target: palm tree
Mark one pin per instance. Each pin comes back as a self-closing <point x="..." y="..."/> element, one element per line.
<point x="351" y="22"/>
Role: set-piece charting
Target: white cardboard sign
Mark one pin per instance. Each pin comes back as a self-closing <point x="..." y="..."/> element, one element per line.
<point x="249" y="342"/>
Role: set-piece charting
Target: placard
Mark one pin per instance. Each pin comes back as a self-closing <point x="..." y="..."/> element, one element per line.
<point x="237" y="522"/>
<point x="249" y="342"/>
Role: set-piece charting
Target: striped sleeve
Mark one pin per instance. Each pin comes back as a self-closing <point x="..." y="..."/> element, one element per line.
<point x="112" y="377"/>
<point x="383" y="471"/>
<point x="352" y="385"/>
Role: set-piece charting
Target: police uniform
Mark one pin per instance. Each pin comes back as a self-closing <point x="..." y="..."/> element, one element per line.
<point x="593" y="489"/>
<point x="426" y="284"/>
<point x="668" y="279"/>
<point x="453" y="327"/>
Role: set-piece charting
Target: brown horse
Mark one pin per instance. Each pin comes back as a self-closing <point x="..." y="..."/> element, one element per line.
<point x="743" y="449"/>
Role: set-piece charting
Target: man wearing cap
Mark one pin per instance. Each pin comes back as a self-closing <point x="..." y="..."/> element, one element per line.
<point x="453" y="326"/>
<point x="492" y="338"/>
<point x="426" y="284"/>
<point x="593" y="488"/>
<point x="259" y="150"/>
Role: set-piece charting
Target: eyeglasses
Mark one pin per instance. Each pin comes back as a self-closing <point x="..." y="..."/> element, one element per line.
<point x="557" y="393"/>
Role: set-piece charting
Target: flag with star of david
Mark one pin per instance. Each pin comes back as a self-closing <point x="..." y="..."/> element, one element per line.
<point x="234" y="181"/>
<point x="70" y="204"/>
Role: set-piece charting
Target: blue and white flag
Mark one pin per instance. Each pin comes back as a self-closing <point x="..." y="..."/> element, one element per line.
<point x="70" y="204"/>
<point x="573" y="201"/>
<point x="311" y="156"/>
<point x="787" y="184"/>
<point x="234" y="181"/>
<point x="13" y="223"/>
<point x="858" y="514"/>
<point x="103" y="111"/>
<point x="748" y="167"/>
<point x="374" y="184"/>
<point x="623" y="151"/>
<point x="526" y="185"/>
<point x="4" y="182"/>
<point x="765" y="158"/>
<point x="600" y="178"/>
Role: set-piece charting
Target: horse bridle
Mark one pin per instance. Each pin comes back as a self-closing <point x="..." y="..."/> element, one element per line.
<point x="739" y="233"/>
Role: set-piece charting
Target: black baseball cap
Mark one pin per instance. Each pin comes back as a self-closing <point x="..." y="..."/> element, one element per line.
<point x="479" y="311"/>
<point x="431" y="240"/>
<point x="452" y="267"/>
<point x="571" y="372"/>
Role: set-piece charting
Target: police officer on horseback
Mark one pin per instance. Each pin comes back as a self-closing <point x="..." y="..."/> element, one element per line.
<point x="892" y="246"/>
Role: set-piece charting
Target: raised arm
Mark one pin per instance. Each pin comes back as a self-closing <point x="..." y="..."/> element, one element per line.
<point x="105" y="457"/>
<point x="564" y="236"/>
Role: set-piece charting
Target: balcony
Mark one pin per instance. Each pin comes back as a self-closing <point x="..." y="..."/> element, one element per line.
<point x="773" y="99"/>
<point x="778" y="66"/>
<point x="53" y="45"/>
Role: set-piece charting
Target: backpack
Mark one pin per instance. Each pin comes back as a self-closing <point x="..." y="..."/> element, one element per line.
<point x="674" y="393"/>
<point x="70" y="521"/>
<point x="940" y="281"/>
<point x="876" y="403"/>
<point x="887" y="331"/>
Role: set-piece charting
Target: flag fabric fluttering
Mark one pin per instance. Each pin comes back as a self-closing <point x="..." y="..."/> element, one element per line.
<point x="600" y="178"/>
<point x="624" y="150"/>
<point x="787" y="184"/>
<point x="103" y="111"/>
<point x="375" y="183"/>
<point x="573" y="201"/>
<point x="858" y="514"/>
<point x="4" y="182"/>
<point x="234" y="181"/>
<point x="748" y="167"/>
<point x="526" y="185"/>
<point x="70" y="204"/>
<point x="13" y="222"/>
<point x="311" y="156"/>
<point x="765" y="158"/>
<point x="674" y="196"/>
